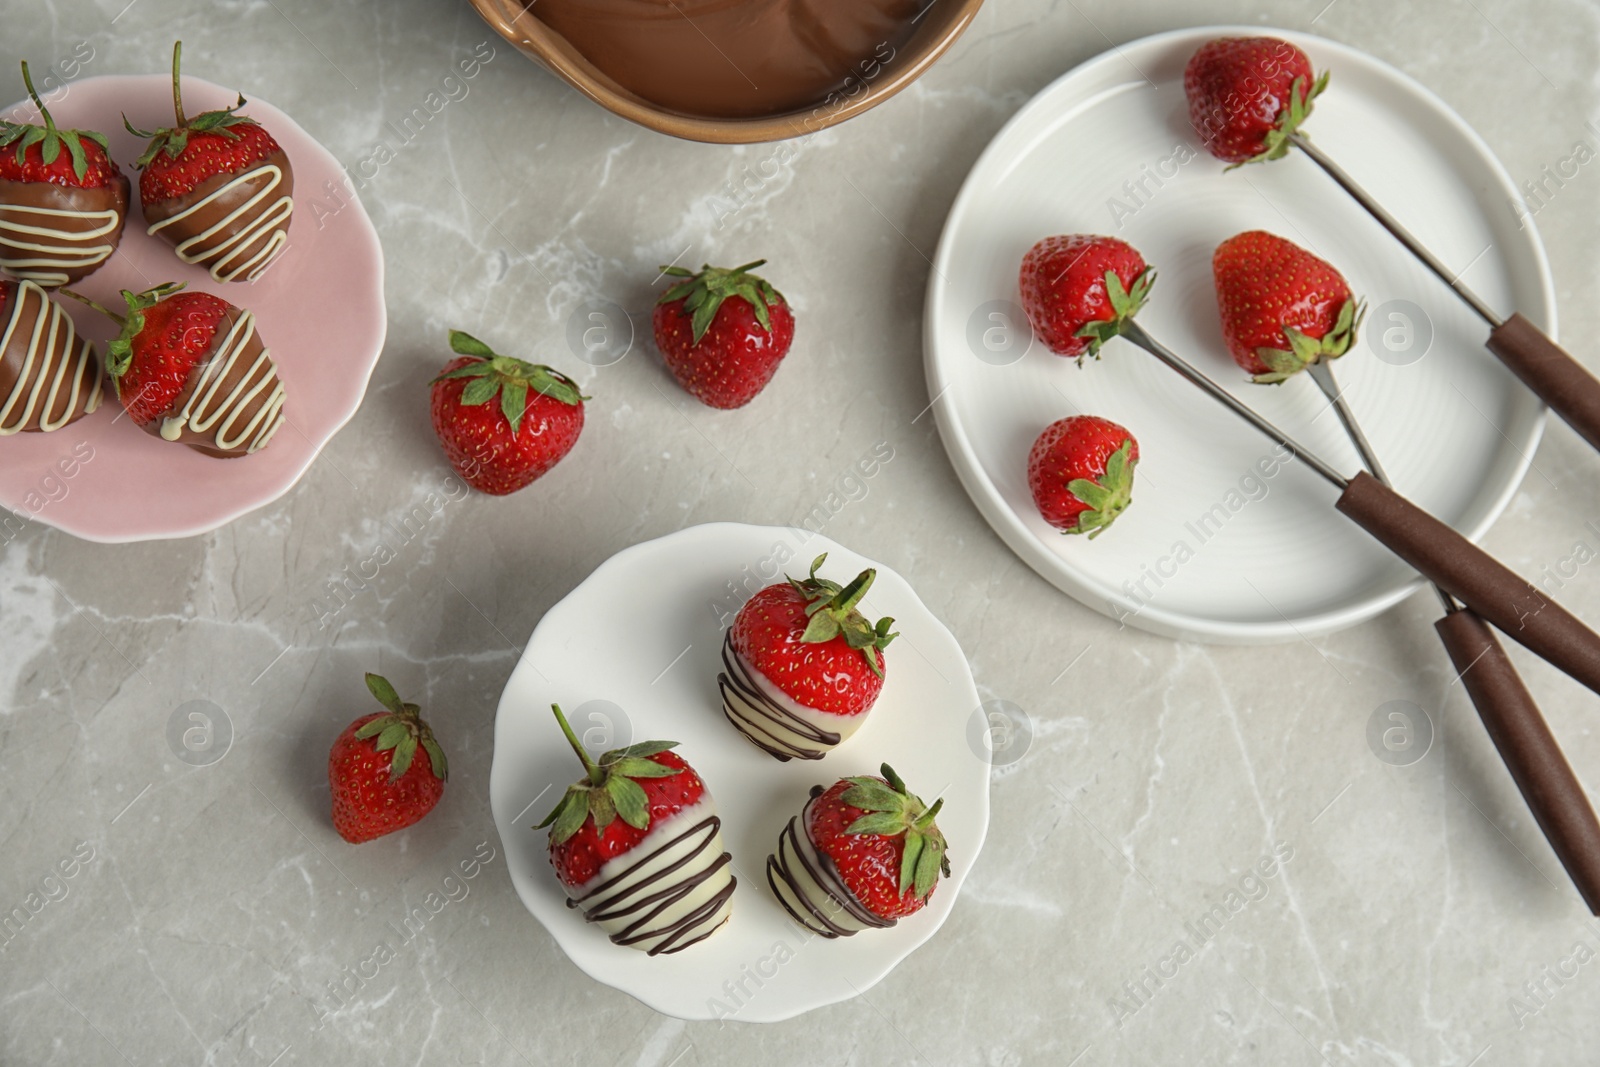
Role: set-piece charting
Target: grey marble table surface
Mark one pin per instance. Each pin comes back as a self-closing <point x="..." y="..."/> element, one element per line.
<point x="1414" y="916"/>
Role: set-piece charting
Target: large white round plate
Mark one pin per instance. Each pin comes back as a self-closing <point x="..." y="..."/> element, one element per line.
<point x="633" y="654"/>
<point x="1210" y="550"/>
<point x="319" y="307"/>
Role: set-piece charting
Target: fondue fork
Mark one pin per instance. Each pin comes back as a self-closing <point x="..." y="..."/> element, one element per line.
<point x="1510" y="715"/>
<point x="1527" y="351"/>
<point x="1452" y="562"/>
<point x="1460" y="569"/>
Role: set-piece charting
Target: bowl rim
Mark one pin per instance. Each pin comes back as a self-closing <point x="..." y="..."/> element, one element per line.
<point x="518" y="25"/>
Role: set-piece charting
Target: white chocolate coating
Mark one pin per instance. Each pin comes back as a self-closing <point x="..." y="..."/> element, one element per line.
<point x="671" y="890"/>
<point x="770" y="719"/>
<point x="808" y="886"/>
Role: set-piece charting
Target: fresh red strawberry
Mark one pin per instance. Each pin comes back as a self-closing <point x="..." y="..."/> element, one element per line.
<point x="1081" y="291"/>
<point x="181" y="156"/>
<point x="807" y="638"/>
<point x="74" y="159"/>
<point x="610" y="810"/>
<point x="1247" y="95"/>
<point x="1282" y="307"/>
<point x="164" y="334"/>
<point x="882" y="840"/>
<point x="1080" y="470"/>
<point x="386" y="771"/>
<point x="500" y="448"/>
<point x="722" y="332"/>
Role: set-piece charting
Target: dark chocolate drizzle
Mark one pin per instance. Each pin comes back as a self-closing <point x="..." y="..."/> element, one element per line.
<point x="737" y="678"/>
<point x="683" y="932"/>
<point x="824" y="873"/>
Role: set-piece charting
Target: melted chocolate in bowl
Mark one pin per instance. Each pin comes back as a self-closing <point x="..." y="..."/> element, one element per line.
<point x="733" y="58"/>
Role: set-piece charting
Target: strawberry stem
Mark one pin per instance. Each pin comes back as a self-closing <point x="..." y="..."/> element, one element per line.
<point x="44" y="113"/>
<point x="596" y="775"/>
<point x="177" y="87"/>
<point x="80" y="298"/>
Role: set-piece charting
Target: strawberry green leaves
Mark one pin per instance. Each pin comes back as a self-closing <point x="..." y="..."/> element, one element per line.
<point x="119" y="353"/>
<point x="831" y="611"/>
<point x="49" y="139"/>
<point x="510" y="379"/>
<point x="1107" y="498"/>
<point x="1290" y="119"/>
<point x="892" y="811"/>
<point x="703" y="293"/>
<point x="609" y="791"/>
<point x="1303" y="351"/>
<point x="175" y="138"/>
<point x="402" y="731"/>
<point x="1126" y="302"/>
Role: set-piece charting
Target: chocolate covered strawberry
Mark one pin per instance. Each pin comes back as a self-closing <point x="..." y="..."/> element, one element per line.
<point x="802" y="665"/>
<point x="62" y="199"/>
<point x="217" y="187"/>
<point x="190" y="367"/>
<point x="385" y="770"/>
<point x="860" y="856"/>
<point x="503" y="446"/>
<point x="50" y="375"/>
<point x="722" y="332"/>
<point x="1080" y="291"/>
<point x="1248" y="95"/>
<point x="637" y="844"/>
<point x="1080" y="471"/>
<point x="1282" y="308"/>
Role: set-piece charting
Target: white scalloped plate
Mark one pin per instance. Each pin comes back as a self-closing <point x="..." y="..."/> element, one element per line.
<point x="643" y="633"/>
<point x="1275" y="563"/>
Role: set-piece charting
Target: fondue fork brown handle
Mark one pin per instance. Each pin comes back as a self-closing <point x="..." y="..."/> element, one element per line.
<point x="1510" y="716"/>
<point x="1470" y="574"/>
<point x="1512" y="719"/>
<point x="1463" y="570"/>
<point x="1452" y="562"/>
<point x="1553" y="375"/>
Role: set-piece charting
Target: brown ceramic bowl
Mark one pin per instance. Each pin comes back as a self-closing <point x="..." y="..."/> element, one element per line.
<point x="938" y="29"/>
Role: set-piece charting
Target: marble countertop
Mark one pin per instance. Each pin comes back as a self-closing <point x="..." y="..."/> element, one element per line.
<point x="1413" y="914"/>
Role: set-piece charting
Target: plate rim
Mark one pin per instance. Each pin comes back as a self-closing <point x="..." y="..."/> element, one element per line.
<point x="364" y="231"/>
<point x="1004" y="521"/>
<point x="961" y="870"/>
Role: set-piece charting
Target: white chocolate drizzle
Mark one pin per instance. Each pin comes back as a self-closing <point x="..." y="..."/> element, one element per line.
<point x="56" y="358"/>
<point x="203" y="409"/>
<point x="234" y="255"/>
<point x="45" y="254"/>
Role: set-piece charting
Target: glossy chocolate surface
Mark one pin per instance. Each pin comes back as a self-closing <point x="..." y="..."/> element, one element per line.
<point x="54" y="234"/>
<point x="734" y="58"/>
<point x="50" y="376"/>
<point x="233" y="225"/>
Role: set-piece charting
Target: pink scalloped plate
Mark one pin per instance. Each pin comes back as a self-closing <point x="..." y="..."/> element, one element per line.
<point x="319" y="308"/>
